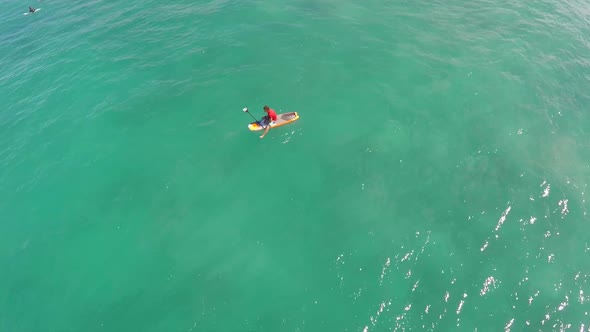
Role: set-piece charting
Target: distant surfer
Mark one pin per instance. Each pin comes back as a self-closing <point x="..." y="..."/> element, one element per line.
<point x="269" y="119"/>
<point x="31" y="9"/>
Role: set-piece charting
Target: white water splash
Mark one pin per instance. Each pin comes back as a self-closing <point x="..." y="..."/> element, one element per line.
<point x="532" y="220"/>
<point x="424" y="245"/>
<point x="381" y="308"/>
<point x="408" y="255"/>
<point x="398" y="325"/>
<point x="356" y="295"/>
<point x="461" y="304"/>
<point x="415" y="285"/>
<point x="340" y="260"/>
<point x="563" y="304"/>
<point x="440" y="317"/>
<point x="508" y="325"/>
<point x="546" y="190"/>
<point x="503" y="218"/>
<point x="564" y="209"/>
<point x="485" y="245"/>
<point x="189" y="330"/>
<point x="384" y="270"/>
<point x="490" y="281"/>
<point x="447" y="296"/>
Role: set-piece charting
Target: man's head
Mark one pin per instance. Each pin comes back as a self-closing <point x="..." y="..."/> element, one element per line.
<point x="265" y="108"/>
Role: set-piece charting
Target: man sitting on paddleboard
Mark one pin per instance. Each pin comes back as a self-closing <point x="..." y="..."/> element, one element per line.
<point x="268" y="119"/>
<point x="31" y="10"/>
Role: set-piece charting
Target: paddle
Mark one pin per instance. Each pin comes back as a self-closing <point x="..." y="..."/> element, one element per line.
<point x="246" y="111"/>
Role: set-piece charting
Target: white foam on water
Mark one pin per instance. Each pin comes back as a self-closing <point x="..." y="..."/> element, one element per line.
<point x="407" y="255"/>
<point x="490" y="281"/>
<point x="340" y="261"/>
<point x="423" y="246"/>
<point x="508" y="325"/>
<point x="384" y="270"/>
<point x="564" y="210"/>
<point x="546" y="319"/>
<point x="563" y="304"/>
<point x="461" y="304"/>
<point x="503" y="218"/>
<point x="415" y="285"/>
<point x="398" y="321"/>
<point x="546" y="190"/>
<point x="382" y="306"/>
<point x="485" y="245"/>
<point x="356" y="295"/>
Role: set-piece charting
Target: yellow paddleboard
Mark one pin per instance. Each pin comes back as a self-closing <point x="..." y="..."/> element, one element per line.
<point x="282" y="119"/>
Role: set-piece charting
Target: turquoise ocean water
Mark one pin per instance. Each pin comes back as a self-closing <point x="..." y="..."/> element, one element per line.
<point x="436" y="181"/>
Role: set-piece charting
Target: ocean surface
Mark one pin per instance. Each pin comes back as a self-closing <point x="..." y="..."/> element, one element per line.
<point x="436" y="180"/>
